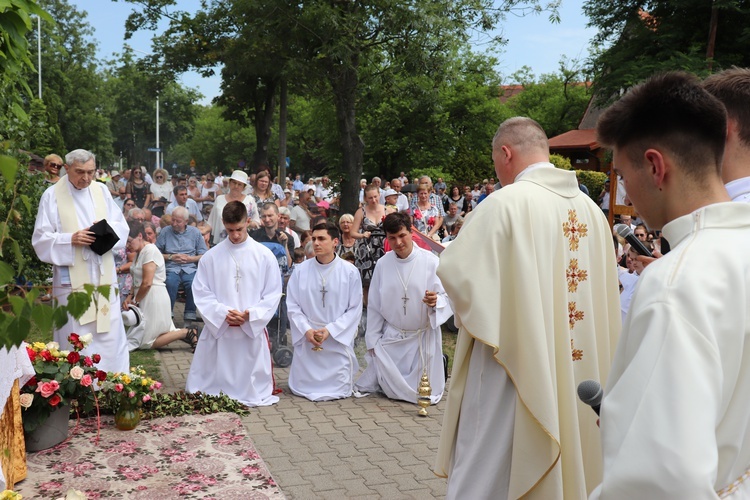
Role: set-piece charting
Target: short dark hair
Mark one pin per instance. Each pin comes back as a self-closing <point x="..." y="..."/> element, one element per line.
<point x="271" y="205"/>
<point x="673" y="111"/>
<point x="393" y="223"/>
<point x="732" y="87"/>
<point x="234" y="212"/>
<point x="329" y="227"/>
<point x="179" y="188"/>
<point x="136" y="228"/>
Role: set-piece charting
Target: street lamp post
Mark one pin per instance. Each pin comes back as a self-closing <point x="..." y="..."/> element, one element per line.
<point x="158" y="155"/>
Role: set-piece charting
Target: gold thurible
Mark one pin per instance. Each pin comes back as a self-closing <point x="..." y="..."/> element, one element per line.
<point x="424" y="391"/>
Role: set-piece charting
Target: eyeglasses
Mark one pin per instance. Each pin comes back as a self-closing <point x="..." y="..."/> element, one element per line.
<point x="56" y="165"/>
<point x="158" y="177"/>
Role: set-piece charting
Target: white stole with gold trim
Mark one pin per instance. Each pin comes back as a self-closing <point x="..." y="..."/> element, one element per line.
<point x="79" y="272"/>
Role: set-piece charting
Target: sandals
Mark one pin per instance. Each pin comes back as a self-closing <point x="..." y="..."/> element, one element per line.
<point x="191" y="338"/>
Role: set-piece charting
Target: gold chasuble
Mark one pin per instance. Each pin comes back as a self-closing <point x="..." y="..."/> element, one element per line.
<point x="533" y="276"/>
<point x="99" y="309"/>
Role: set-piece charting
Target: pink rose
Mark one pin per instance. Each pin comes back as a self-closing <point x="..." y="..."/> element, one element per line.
<point x="87" y="361"/>
<point x="157" y="385"/>
<point x="131" y="394"/>
<point x="47" y="389"/>
<point x="86" y="380"/>
<point x="146" y="398"/>
<point x="76" y="373"/>
<point x="119" y="387"/>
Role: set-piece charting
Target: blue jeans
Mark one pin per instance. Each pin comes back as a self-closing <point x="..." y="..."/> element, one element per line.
<point x="173" y="283"/>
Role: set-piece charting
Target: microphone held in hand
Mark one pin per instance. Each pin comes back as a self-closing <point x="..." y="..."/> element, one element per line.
<point x="627" y="233"/>
<point x="590" y="392"/>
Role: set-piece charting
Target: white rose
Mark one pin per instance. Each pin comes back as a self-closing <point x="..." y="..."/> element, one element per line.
<point x="26" y="399"/>
<point x="53" y="346"/>
<point x="64" y="353"/>
<point x="76" y="373"/>
<point x="86" y="339"/>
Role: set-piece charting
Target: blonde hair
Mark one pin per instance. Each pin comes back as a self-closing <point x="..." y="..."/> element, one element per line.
<point x="346" y="218"/>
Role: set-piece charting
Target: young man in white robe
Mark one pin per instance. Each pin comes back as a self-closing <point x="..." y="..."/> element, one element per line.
<point x="406" y="308"/>
<point x="675" y="417"/>
<point x="732" y="88"/>
<point x="237" y="289"/>
<point x="533" y="284"/>
<point x="324" y="305"/>
<point x="62" y="238"/>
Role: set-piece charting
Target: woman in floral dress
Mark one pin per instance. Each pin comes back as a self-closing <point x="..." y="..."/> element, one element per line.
<point x="427" y="219"/>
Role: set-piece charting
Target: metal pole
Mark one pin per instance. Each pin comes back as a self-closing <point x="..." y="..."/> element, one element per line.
<point x="158" y="153"/>
<point x="39" y="52"/>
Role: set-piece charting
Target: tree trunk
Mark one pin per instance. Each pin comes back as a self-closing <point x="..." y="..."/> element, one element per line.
<point x="344" y="81"/>
<point x="264" y="108"/>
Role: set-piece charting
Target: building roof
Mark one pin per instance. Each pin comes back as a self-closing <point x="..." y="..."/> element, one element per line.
<point x="575" y="139"/>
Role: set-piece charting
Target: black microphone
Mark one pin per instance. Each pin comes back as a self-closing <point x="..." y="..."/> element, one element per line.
<point x="590" y="392"/>
<point x="627" y="233"/>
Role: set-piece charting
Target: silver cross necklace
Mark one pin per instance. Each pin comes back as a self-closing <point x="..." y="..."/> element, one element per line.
<point x="323" y="278"/>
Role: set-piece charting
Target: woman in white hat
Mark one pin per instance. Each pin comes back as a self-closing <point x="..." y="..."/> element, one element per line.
<point x="237" y="184"/>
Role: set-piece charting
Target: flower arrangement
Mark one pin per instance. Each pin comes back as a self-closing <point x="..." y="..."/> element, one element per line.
<point x="131" y="389"/>
<point x="62" y="377"/>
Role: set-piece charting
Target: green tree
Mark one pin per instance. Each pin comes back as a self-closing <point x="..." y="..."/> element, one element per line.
<point x="322" y="41"/>
<point x="557" y="100"/>
<point x="133" y="87"/>
<point x="215" y="143"/>
<point x="643" y="38"/>
<point x="72" y="85"/>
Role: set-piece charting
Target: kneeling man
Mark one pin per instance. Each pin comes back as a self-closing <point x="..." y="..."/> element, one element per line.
<point x="407" y="305"/>
<point x="237" y="289"/>
<point x="324" y="305"/>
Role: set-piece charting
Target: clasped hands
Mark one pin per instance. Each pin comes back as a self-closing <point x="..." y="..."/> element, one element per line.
<point x="237" y="318"/>
<point x="430" y="298"/>
<point x="322" y="333"/>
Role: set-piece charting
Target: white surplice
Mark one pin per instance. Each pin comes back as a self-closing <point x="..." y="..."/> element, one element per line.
<point x="327" y="374"/>
<point x="235" y="360"/>
<point x="405" y="341"/>
<point x="675" y="419"/>
<point x="55" y="247"/>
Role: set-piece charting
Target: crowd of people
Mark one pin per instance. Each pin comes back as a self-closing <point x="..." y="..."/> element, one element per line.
<point x="531" y="277"/>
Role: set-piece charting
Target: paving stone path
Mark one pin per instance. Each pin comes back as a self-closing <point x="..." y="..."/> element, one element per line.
<point x="368" y="447"/>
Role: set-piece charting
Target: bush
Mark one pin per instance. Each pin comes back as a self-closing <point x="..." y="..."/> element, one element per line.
<point x="594" y="181"/>
<point x="18" y="207"/>
<point x="561" y="162"/>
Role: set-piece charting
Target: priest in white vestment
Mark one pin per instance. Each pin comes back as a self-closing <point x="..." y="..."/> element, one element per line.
<point x="407" y="305"/>
<point x="237" y="289"/>
<point x="324" y="305"/>
<point x="675" y="418"/>
<point x="61" y="238"/>
<point x="533" y="284"/>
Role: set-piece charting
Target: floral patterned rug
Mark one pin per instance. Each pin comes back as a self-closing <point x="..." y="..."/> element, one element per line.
<point x="195" y="456"/>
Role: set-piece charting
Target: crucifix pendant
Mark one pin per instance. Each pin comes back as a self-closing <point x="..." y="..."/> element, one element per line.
<point x="323" y="291"/>
<point x="405" y="299"/>
<point x="237" y="277"/>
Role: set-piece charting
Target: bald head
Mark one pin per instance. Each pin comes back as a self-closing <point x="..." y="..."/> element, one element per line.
<point x="523" y="134"/>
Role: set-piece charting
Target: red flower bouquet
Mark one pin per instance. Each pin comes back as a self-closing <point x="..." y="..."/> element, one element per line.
<point x="62" y="377"/>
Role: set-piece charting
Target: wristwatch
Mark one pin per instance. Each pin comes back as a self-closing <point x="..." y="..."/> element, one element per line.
<point x="169" y="256"/>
